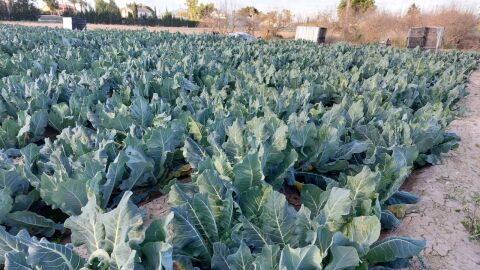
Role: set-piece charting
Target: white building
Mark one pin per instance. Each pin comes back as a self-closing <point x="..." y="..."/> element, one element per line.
<point x="142" y="11"/>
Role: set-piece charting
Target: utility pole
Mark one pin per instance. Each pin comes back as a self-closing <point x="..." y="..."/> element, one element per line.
<point x="346" y="27"/>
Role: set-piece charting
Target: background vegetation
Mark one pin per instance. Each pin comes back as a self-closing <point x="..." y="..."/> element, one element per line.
<point x="357" y="21"/>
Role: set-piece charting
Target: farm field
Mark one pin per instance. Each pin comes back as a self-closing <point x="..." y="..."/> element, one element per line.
<point x="271" y="155"/>
<point x="183" y="30"/>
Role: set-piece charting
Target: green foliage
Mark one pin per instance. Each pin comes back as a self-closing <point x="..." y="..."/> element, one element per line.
<point x="114" y="240"/>
<point x="51" y="4"/>
<point x="357" y="6"/>
<point x="413" y="10"/>
<point x="248" y="11"/>
<point x="196" y="11"/>
<point x="95" y="121"/>
<point x="21" y="10"/>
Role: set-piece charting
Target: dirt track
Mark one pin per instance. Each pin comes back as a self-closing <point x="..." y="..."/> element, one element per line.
<point x="186" y="30"/>
<point x="445" y="196"/>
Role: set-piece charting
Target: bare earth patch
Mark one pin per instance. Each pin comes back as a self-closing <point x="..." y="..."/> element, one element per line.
<point x="185" y="30"/>
<point x="445" y="196"/>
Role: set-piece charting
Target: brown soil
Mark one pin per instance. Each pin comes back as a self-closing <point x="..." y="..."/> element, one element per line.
<point x="184" y="30"/>
<point x="445" y="196"/>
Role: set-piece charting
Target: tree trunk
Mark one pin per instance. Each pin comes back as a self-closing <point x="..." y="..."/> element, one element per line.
<point x="9" y="4"/>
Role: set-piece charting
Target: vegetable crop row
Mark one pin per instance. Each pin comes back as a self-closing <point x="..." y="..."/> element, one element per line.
<point x="94" y="122"/>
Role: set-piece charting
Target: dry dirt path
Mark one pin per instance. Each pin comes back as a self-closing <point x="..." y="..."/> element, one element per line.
<point x="445" y="196"/>
<point x="90" y="26"/>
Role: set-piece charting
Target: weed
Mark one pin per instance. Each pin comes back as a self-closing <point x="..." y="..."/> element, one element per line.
<point x="472" y="221"/>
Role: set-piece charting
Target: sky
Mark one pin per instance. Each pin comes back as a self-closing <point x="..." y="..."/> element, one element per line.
<point x="306" y="7"/>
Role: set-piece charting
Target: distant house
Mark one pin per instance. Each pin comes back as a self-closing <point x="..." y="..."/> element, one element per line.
<point x="142" y="11"/>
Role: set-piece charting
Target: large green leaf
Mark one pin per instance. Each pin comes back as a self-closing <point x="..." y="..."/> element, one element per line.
<point x="157" y="231"/>
<point x="109" y="237"/>
<point x="122" y="224"/>
<point x="268" y="259"/>
<point x="392" y="248"/>
<point x="307" y="258"/>
<point x="6" y="203"/>
<point x="10" y="243"/>
<point x="61" y="191"/>
<point x="193" y="152"/>
<point x="188" y="237"/>
<point x="87" y="228"/>
<point x="363" y="184"/>
<point x="16" y="261"/>
<point x="337" y="206"/>
<point x="158" y="256"/>
<point x="46" y="255"/>
<point x="35" y="223"/>
<point x="314" y="198"/>
<point x="242" y="259"/>
<point x="141" y="168"/>
<point x="343" y="258"/>
<point x="23" y="252"/>
<point x="248" y="173"/>
<point x="141" y="112"/>
<point x="279" y="220"/>
<point x="235" y="145"/>
<point x="219" y="258"/>
<point x="253" y="200"/>
<point x="363" y="230"/>
<point x="11" y="180"/>
<point x="114" y="176"/>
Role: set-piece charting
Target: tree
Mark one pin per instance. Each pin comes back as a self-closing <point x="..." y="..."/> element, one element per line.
<point x="24" y="10"/>
<point x="413" y="10"/>
<point x="248" y="11"/>
<point x="249" y="18"/>
<point x="108" y="11"/>
<point x="8" y="4"/>
<point x="192" y="9"/>
<point x="275" y="21"/>
<point x="134" y="8"/>
<point x="83" y="5"/>
<point x="205" y="10"/>
<point x="197" y="11"/>
<point x="51" y="4"/>
<point x="3" y="10"/>
<point x="357" y="7"/>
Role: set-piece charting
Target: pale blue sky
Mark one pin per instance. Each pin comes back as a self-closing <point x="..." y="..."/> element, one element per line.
<point x="306" y="7"/>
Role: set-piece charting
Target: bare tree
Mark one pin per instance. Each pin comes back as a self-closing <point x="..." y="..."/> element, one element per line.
<point x="249" y="18"/>
<point x="275" y="21"/>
